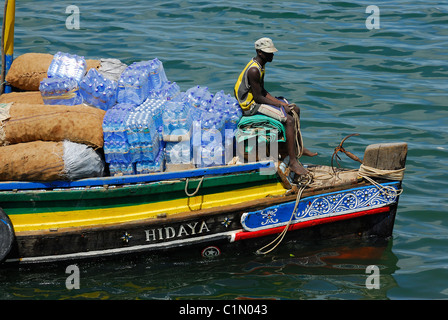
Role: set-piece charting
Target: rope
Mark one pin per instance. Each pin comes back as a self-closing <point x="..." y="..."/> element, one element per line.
<point x="367" y="172"/>
<point x="67" y="95"/>
<point x="280" y="237"/>
<point x="299" y="143"/>
<point x="197" y="189"/>
<point x="379" y="173"/>
<point x="299" y="152"/>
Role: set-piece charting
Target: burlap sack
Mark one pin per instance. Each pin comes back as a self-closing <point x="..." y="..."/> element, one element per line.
<point x="29" y="69"/>
<point x="32" y="161"/>
<point x="29" y="97"/>
<point x="31" y="122"/>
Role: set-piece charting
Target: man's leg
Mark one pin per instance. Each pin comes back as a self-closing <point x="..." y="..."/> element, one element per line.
<point x="290" y="125"/>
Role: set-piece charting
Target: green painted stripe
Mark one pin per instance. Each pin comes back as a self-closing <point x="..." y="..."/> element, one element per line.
<point x="87" y="199"/>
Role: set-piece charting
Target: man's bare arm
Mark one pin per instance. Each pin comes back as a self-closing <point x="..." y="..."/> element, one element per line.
<point x="261" y="96"/>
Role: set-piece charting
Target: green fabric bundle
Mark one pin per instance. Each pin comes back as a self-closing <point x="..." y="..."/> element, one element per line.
<point x="264" y="128"/>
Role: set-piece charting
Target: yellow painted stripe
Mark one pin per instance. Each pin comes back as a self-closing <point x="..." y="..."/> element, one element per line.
<point x="104" y="216"/>
<point x="9" y="27"/>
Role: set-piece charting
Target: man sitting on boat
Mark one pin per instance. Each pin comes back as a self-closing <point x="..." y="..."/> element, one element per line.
<point x="254" y="99"/>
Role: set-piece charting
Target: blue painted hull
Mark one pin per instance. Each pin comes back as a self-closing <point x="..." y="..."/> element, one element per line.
<point x="322" y="206"/>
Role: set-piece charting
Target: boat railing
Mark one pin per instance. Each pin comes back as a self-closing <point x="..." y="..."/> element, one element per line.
<point x="265" y="167"/>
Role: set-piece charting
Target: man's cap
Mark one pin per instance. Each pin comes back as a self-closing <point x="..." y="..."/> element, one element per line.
<point x="265" y="45"/>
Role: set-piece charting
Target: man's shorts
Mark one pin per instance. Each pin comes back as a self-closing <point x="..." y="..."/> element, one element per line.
<point x="278" y="113"/>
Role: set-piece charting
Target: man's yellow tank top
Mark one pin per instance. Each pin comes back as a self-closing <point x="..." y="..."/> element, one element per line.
<point x="242" y="91"/>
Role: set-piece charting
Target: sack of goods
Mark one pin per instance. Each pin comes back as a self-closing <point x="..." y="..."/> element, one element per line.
<point x="29" y="122"/>
<point x="49" y="161"/>
<point x="27" y="97"/>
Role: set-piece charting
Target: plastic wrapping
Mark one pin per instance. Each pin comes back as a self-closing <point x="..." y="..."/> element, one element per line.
<point x="81" y="161"/>
<point x="112" y="69"/>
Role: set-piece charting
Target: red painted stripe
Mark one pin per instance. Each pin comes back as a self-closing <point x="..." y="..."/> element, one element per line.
<point x="300" y="225"/>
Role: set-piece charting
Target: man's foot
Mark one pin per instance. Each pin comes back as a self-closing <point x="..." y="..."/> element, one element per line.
<point x="308" y="153"/>
<point x="297" y="168"/>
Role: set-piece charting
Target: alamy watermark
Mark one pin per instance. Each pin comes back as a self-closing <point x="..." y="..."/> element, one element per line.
<point x="212" y="147"/>
<point x="72" y="21"/>
<point x="73" y="280"/>
<point x="373" y="20"/>
<point x="373" y="280"/>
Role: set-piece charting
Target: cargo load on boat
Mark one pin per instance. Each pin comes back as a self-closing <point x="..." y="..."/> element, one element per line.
<point x="140" y="121"/>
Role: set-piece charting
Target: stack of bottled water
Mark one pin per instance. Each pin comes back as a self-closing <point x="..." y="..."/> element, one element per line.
<point x="144" y="167"/>
<point x="131" y="140"/>
<point x="138" y="79"/>
<point x="98" y="91"/>
<point x="60" y="91"/>
<point x="145" y="125"/>
<point x="212" y="115"/>
<point x="65" y="65"/>
<point x="157" y="74"/>
<point x="64" y="74"/>
<point x="152" y="113"/>
<point x="229" y="109"/>
<point x="134" y="85"/>
<point x="200" y="99"/>
<point x="233" y="115"/>
<point x="169" y="91"/>
<point x="116" y="145"/>
<point x="176" y="118"/>
<point x="155" y="107"/>
<point x="211" y="148"/>
<point x="143" y="134"/>
<point x="177" y="125"/>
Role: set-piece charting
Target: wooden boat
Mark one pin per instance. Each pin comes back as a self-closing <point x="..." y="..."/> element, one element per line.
<point x="209" y="210"/>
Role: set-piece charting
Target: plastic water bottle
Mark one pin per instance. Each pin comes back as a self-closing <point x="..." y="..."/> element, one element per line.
<point x="98" y="91"/>
<point x="157" y="74"/>
<point x="60" y="91"/>
<point x="185" y="152"/>
<point x="117" y="149"/>
<point x="54" y="65"/>
<point x="65" y="65"/>
<point x="85" y="89"/>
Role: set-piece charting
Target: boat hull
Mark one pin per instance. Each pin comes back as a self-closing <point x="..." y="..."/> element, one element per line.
<point x="212" y="231"/>
<point x="206" y="237"/>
